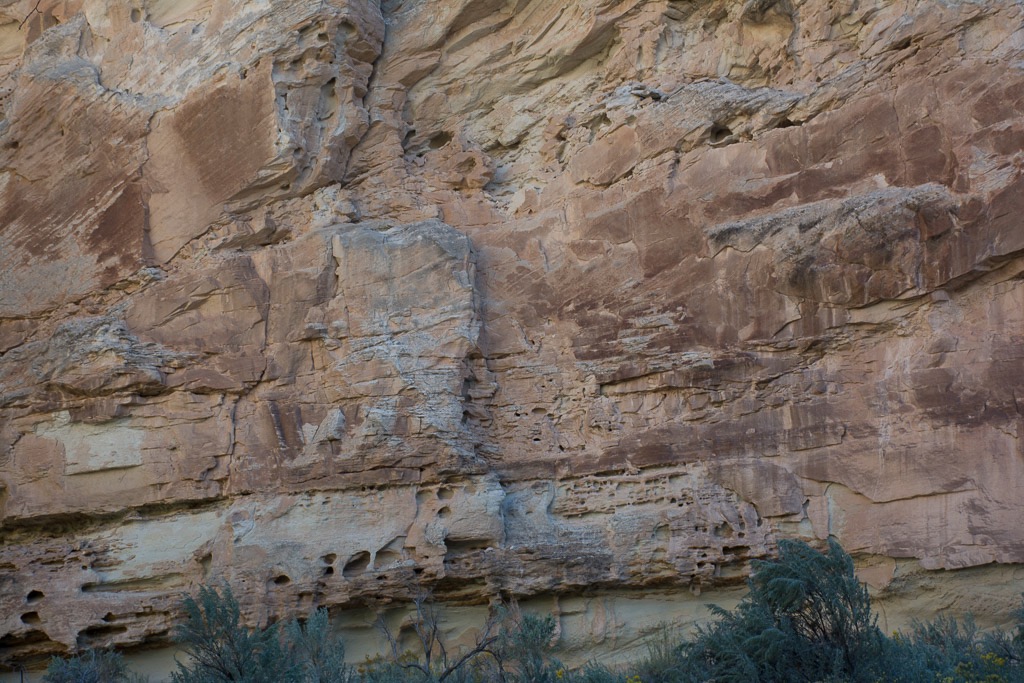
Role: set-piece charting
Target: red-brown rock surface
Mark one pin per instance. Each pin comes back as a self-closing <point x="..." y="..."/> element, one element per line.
<point x="515" y="297"/>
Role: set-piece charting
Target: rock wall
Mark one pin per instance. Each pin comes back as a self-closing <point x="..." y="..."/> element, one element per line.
<point x="508" y="298"/>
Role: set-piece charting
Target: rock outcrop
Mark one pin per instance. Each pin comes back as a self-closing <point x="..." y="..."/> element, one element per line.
<point x="506" y="298"/>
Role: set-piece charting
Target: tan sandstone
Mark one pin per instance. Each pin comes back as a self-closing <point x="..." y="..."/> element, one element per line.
<point x="580" y="303"/>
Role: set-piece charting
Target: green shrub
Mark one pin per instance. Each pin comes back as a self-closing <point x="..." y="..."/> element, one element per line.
<point x="317" y="651"/>
<point x="806" y="618"/>
<point x="662" y="660"/>
<point x="222" y="650"/>
<point x="93" y="666"/>
<point x="524" y="650"/>
<point x="951" y="651"/>
<point x="593" y="672"/>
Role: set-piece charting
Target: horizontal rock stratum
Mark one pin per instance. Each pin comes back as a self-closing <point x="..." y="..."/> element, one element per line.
<point x="505" y="298"/>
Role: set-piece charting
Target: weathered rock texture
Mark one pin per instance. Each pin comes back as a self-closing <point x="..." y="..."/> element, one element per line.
<point x="503" y="297"/>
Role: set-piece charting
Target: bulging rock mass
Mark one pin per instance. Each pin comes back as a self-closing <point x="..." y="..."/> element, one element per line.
<point x="585" y="302"/>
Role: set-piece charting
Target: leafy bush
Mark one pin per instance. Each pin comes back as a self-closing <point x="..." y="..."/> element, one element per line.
<point x="806" y="618"/>
<point x="950" y="651"/>
<point x="222" y="650"/>
<point x="318" y="653"/>
<point x="92" y="667"/>
<point x="660" y="663"/>
<point x="525" y="650"/>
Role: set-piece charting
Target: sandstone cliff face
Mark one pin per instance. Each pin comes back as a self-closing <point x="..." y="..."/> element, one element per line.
<point x="505" y="297"/>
